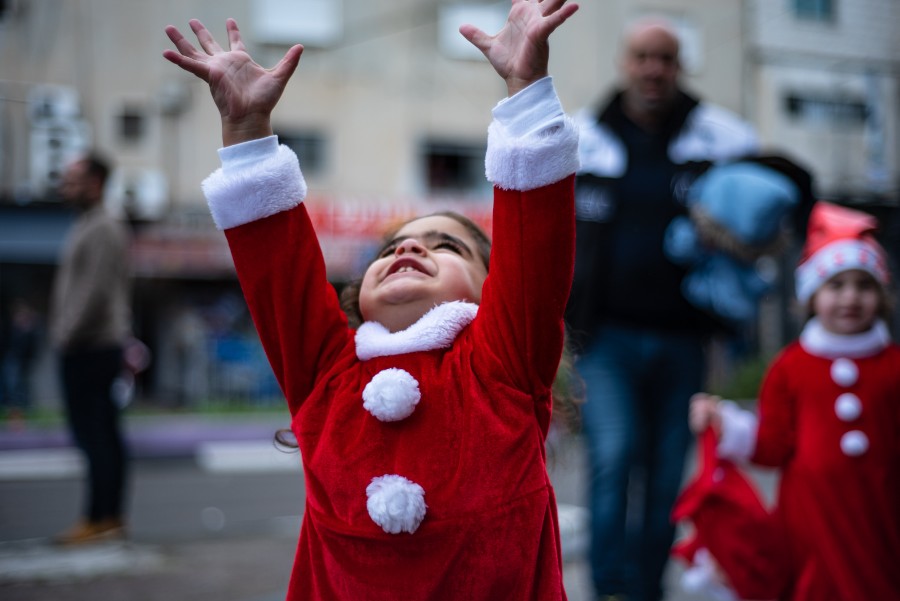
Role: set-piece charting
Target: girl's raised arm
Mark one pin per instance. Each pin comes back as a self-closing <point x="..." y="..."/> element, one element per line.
<point x="244" y="92"/>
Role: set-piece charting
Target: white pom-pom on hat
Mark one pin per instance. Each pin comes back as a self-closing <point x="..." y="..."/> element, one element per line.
<point x="396" y="503"/>
<point x="391" y="395"/>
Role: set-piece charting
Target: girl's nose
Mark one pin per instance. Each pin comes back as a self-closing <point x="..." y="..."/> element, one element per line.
<point x="409" y="245"/>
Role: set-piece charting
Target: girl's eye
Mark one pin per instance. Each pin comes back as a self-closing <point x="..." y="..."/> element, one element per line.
<point x="387" y="251"/>
<point x="452" y="246"/>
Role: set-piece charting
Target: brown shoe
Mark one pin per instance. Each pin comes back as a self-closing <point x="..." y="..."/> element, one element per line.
<point x="91" y="532"/>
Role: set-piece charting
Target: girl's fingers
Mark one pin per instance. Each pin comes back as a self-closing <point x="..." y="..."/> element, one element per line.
<point x="559" y="14"/>
<point x="181" y="42"/>
<point x="207" y="42"/>
<point x="234" y="35"/>
<point x="188" y="64"/>
<point x="551" y="6"/>
<point x="288" y="63"/>
<point x="475" y="36"/>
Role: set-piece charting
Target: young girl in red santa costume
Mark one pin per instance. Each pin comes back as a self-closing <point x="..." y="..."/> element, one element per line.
<point x="421" y="431"/>
<point x="829" y="420"/>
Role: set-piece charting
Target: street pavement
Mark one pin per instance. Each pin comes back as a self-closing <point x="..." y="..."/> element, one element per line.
<point x="213" y="514"/>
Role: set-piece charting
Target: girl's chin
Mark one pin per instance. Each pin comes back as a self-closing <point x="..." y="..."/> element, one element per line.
<point x="848" y="328"/>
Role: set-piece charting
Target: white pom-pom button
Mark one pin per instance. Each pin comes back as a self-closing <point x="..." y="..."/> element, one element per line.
<point x="848" y="407"/>
<point x="844" y="372"/>
<point x="395" y="503"/>
<point x="391" y="395"/>
<point x="854" y="443"/>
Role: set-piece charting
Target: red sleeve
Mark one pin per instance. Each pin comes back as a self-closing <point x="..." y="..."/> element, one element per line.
<point x="777" y="434"/>
<point x="524" y="298"/>
<point x="294" y="307"/>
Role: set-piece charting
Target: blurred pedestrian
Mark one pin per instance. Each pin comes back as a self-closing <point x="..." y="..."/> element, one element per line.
<point x="90" y="321"/>
<point x="829" y="421"/>
<point x="422" y="431"/>
<point x="640" y="341"/>
<point x="20" y="351"/>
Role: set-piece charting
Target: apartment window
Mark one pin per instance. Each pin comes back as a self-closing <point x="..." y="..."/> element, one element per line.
<point x="489" y="16"/>
<point x="314" y="23"/>
<point x="131" y="124"/>
<point x="454" y="168"/>
<point x="309" y="147"/>
<point x="821" y="108"/>
<point x="817" y="10"/>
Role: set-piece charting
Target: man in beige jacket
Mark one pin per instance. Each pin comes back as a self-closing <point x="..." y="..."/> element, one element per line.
<point x="90" y="321"/>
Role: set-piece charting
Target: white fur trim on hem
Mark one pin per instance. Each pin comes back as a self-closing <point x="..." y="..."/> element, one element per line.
<point x="436" y="329"/>
<point x="395" y="503"/>
<point x="391" y="395"/>
<point x="256" y="190"/>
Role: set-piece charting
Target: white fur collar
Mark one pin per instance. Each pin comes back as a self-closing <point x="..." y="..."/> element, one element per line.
<point x="436" y="329"/>
<point x="816" y="340"/>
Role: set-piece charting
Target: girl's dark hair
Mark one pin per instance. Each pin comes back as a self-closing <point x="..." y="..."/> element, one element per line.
<point x="567" y="390"/>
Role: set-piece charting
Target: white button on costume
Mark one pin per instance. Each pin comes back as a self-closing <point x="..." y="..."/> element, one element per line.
<point x="391" y="395"/>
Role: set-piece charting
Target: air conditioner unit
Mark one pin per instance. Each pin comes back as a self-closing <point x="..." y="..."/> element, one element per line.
<point x="48" y="103"/>
<point x="139" y="193"/>
<point x="52" y="146"/>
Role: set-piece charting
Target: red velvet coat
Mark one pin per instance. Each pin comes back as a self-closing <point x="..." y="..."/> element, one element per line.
<point x="832" y="425"/>
<point x="474" y="443"/>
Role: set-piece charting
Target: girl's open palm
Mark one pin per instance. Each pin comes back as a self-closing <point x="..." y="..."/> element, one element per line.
<point x="519" y="52"/>
<point x="244" y="92"/>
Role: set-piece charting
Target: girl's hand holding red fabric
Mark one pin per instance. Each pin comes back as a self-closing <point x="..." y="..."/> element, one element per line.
<point x="704" y="413"/>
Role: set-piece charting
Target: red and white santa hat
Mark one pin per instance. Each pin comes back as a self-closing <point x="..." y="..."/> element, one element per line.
<point x="838" y="239"/>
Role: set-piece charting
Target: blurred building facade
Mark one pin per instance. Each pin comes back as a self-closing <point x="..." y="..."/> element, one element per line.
<point x="825" y="83"/>
<point x="388" y="112"/>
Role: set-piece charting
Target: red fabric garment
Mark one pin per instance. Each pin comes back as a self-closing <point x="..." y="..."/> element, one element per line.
<point x="475" y="441"/>
<point x="730" y="520"/>
<point x="841" y="512"/>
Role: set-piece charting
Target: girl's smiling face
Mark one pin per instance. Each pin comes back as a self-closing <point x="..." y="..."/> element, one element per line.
<point x="848" y="303"/>
<point x="429" y="261"/>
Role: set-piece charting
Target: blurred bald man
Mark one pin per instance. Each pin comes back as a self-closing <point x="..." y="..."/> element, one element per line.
<point x="640" y="344"/>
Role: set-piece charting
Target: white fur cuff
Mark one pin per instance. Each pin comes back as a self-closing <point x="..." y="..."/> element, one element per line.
<point x="532" y="161"/>
<point x="395" y="503"/>
<point x="241" y="193"/>
<point x="391" y="395"/>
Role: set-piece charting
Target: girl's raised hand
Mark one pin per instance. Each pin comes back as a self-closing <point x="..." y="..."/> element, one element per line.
<point x="244" y="92"/>
<point x="519" y="52"/>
